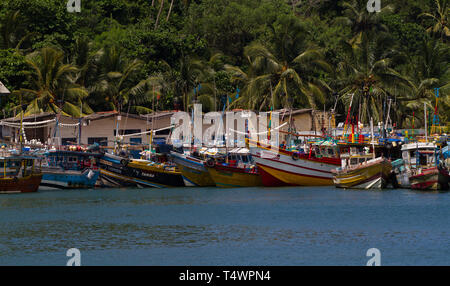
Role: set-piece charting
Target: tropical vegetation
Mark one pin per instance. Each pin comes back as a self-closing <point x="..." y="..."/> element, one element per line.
<point x="138" y="56"/>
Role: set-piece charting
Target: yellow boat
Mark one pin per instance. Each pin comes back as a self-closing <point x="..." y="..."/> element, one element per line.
<point x="361" y="172"/>
<point x="192" y="170"/>
<point x="234" y="177"/>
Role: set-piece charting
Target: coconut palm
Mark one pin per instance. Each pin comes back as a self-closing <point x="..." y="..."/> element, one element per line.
<point x="182" y="78"/>
<point x="364" y="24"/>
<point x="114" y="80"/>
<point x="440" y="26"/>
<point x="53" y="84"/>
<point x="366" y="74"/>
<point x="289" y="77"/>
<point x="215" y="82"/>
<point x="13" y="31"/>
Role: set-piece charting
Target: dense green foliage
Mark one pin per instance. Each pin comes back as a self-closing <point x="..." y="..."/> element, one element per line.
<point x="143" y="55"/>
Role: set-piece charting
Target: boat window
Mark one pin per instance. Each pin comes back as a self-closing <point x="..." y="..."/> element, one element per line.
<point x="244" y="159"/>
<point x="362" y="160"/>
<point x="422" y="159"/>
<point x="353" y="161"/>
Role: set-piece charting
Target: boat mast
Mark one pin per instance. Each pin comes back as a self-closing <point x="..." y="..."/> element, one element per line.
<point x="372" y="137"/>
<point x="21" y="126"/>
<point x="425" y="117"/>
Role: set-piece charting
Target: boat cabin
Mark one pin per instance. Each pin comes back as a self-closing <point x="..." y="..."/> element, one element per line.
<point x="355" y="155"/>
<point x="419" y="155"/>
<point x="72" y="160"/>
<point x="17" y="166"/>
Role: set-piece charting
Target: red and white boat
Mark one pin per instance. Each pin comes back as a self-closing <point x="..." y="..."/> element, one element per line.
<point x="422" y="168"/>
<point x="280" y="167"/>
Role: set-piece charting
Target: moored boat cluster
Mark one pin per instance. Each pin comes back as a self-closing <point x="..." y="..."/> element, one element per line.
<point x="366" y="163"/>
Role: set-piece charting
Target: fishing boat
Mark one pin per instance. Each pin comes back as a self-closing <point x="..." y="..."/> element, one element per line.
<point x="360" y="168"/>
<point x="119" y="171"/>
<point x="421" y="163"/>
<point x="401" y="174"/>
<point x="21" y="173"/>
<point x="296" y="166"/>
<point x="234" y="170"/>
<point x="21" y="168"/>
<point x="192" y="167"/>
<point x="72" y="168"/>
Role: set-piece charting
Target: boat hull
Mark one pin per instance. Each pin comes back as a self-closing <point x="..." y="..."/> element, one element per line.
<point x="193" y="171"/>
<point x="69" y="179"/>
<point x="116" y="172"/>
<point x="233" y="177"/>
<point x="285" y="170"/>
<point x="270" y="181"/>
<point x="28" y="184"/>
<point x="372" y="175"/>
<point x="430" y="179"/>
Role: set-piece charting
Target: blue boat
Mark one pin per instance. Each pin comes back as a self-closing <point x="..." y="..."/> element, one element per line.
<point x="66" y="169"/>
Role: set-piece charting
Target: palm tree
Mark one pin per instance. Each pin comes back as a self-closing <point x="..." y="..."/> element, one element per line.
<point x="183" y="78"/>
<point x="149" y="91"/>
<point x="366" y="75"/>
<point x="432" y="70"/>
<point x="53" y="84"/>
<point x="13" y="31"/>
<point x="364" y="24"/>
<point x="114" y="83"/>
<point x="214" y="80"/>
<point x="292" y="76"/>
<point x="440" y="27"/>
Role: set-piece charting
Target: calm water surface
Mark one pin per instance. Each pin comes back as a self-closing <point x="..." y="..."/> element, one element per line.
<point x="209" y="226"/>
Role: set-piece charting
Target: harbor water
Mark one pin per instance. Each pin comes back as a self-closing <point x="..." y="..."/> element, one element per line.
<point x="212" y="226"/>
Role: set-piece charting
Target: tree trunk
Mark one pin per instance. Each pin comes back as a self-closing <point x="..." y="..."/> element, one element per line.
<point x="159" y="14"/>
<point x="170" y="10"/>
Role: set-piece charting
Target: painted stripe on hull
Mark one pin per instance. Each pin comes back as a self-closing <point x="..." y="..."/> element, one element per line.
<point x="296" y="179"/>
<point x="301" y="172"/>
<point x="132" y="180"/>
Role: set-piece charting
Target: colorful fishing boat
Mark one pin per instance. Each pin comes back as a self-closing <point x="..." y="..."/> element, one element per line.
<point x="192" y="168"/>
<point x="21" y="173"/>
<point x="70" y="169"/>
<point x="117" y="171"/>
<point x="421" y="161"/>
<point x="361" y="170"/>
<point x="235" y="170"/>
<point x="280" y="166"/>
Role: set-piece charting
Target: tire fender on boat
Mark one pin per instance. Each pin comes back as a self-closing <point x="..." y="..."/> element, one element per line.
<point x="210" y="162"/>
<point x="124" y="162"/>
<point x="295" y="156"/>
